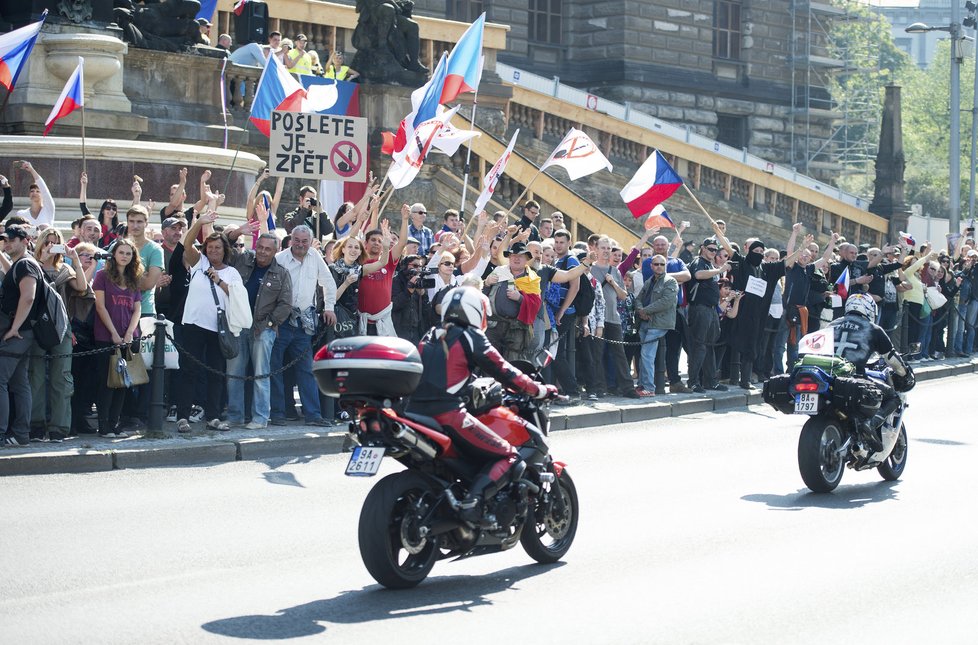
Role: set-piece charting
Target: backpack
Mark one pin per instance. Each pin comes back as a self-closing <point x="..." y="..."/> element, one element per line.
<point x="50" y="317"/>
<point x="584" y="300"/>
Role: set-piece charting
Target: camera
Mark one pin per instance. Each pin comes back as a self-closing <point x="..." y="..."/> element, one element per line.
<point x="101" y="255"/>
<point x="313" y="201"/>
<point x="426" y="282"/>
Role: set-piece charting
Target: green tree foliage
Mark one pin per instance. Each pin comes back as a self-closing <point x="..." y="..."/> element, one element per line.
<point x="926" y="130"/>
<point x="865" y="43"/>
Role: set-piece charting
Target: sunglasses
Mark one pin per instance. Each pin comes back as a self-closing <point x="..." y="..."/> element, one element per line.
<point x="111" y="207"/>
<point x="711" y="249"/>
<point x="420" y="212"/>
<point x="658" y="264"/>
<point x="448" y="264"/>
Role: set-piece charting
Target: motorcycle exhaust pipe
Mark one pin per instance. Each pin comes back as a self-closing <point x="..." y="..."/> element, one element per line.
<point x="415" y="442"/>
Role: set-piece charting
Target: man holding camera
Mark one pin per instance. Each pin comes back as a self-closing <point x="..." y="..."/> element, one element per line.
<point x="308" y="213"/>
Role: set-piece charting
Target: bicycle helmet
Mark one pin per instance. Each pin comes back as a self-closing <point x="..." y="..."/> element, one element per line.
<point x="862" y="304"/>
<point x="465" y="306"/>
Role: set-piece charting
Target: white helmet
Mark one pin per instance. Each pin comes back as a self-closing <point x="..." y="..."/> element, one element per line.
<point x="862" y="304"/>
<point x="466" y="306"/>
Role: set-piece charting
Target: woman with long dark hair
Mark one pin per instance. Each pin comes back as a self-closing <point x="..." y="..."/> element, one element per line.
<point x="117" y="307"/>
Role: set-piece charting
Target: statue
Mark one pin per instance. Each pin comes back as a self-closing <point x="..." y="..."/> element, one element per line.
<point x="163" y="25"/>
<point x="387" y="43"/>
<point x="76" y="11"/>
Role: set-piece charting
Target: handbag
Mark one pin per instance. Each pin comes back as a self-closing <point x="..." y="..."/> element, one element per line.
<point x="227" y="341"/>
<point x="126" y="369"/>
<point x="935" y="298"/>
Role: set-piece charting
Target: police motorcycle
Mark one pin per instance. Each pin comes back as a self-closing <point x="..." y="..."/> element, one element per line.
<point x="410" y="519"/>
<point x="823" y="387"/>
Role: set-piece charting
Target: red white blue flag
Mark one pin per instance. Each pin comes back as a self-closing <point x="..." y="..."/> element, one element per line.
<point x="842" y="284"/>
<point x="72" y="96"/>
<point x="653" y="183"/>
<point x="465" y="63"/>
<point x="277" y="90"/>
<point x="15" y="48"/>
<point x="239" y="6"/>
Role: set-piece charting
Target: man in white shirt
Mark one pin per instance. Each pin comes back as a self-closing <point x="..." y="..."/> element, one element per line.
<point x="308" y="271"/>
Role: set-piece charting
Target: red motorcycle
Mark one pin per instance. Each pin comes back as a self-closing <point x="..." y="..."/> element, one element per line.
<point x="410" y="518"/>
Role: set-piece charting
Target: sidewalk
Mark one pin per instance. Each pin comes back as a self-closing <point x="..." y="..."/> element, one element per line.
<point x="93" y="454"/>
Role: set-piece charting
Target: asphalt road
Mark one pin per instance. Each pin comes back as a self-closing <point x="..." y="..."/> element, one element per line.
<point x="693" y="530"/>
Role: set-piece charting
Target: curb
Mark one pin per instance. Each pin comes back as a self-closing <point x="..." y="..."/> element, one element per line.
<point x="302" y="443"/>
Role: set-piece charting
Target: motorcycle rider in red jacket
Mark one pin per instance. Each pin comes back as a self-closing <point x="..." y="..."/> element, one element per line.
<point x="450" y="353"/>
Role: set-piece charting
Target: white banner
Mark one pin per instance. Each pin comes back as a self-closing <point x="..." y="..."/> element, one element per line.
<point x="318" y="146"/>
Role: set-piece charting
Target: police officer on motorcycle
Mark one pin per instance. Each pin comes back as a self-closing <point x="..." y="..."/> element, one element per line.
<point x="857" y="337"/>
<point x="450" y="353"/>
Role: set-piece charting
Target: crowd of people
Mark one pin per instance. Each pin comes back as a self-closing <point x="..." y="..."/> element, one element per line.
<point x="598" y="318"/>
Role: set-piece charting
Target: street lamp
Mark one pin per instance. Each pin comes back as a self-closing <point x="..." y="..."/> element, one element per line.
<point x="954" y="29"/>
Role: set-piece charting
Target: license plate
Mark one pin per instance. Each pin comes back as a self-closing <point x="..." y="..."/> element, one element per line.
<point x="365" y="462"/>
<point x="806" y="403"/>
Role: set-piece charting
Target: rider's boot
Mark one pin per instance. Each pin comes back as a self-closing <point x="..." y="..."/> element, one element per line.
<point x="472" y="508"/>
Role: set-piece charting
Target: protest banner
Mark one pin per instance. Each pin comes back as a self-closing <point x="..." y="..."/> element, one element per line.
<point x="318" y="146"/>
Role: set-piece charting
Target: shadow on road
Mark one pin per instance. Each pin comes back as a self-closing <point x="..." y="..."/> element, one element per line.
<point x="844" y="497"/>
<point x="941" y="442"/>
<point x="436" y="595"/>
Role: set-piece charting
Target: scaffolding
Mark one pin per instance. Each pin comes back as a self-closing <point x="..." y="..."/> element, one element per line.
<point x="836" y="92"/>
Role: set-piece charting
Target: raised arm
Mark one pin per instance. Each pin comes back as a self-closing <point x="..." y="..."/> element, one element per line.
<point x="403" y="235"/>
<point x="789" y="260"/>
<point x="176" y="199"/>
<point x="823" y="262"/>
<point x="191" y="256"/>
<point x="722" y="239"/>
<point x="385" y="241"/>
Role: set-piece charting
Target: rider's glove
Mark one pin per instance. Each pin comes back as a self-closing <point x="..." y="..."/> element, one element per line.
<point x="546" y="391"/>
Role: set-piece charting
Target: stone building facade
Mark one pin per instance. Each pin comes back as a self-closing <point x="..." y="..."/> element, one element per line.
<point x="724" y="68"/>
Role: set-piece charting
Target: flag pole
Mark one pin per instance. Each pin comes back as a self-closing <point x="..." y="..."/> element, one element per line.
<point x="468" y="154"/>
<point x="523" y="194"/>
<point x="712" y="221"/>
<point x="84" y="157"/>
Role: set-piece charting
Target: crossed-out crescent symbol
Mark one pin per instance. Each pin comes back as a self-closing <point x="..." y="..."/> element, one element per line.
<point x="575" y="151"/>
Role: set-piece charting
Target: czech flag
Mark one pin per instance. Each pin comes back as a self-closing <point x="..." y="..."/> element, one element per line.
<point x="72" y="97"/>
<point x="653" y="183"/>
<point x="277" y="90"/>
<point x="842" y="284"/>
<point x="465" y="63"/>
<point x="15" y="47"/>
<point x="659" y="217"/>
<point x="424" y="104"/>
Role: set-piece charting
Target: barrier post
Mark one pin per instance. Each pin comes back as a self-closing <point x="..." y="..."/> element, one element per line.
<point x="157" y="405"/>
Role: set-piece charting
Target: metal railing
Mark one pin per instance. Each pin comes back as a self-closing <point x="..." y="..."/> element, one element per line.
<point x="553" y="87"/>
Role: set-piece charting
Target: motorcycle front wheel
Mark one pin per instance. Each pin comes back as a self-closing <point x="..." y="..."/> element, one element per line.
<point x="550" y="530"/>
<point x="391" y="545"/>
<point x="819" y="460"/>
<point x="892" y="468"/>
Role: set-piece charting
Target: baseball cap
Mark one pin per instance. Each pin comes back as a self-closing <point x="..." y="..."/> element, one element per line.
<point x="170" y="221"/>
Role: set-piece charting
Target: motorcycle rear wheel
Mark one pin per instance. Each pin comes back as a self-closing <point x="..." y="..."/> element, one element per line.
<point x="892" y="468"/>
<point x="390" y="546"/>
<point x="549" y="538"/>
<point x="819" y="460"/>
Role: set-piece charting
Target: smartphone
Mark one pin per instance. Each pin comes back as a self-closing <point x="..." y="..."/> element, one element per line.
<point x="685" y="224"/>
<point x="57" y="248"/>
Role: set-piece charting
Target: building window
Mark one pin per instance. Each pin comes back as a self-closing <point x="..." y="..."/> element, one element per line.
<point x="545" y="21"/>
<point x="726" y="29"/>
<point x="732" y="130"/>
<point x="464" y="10"/>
